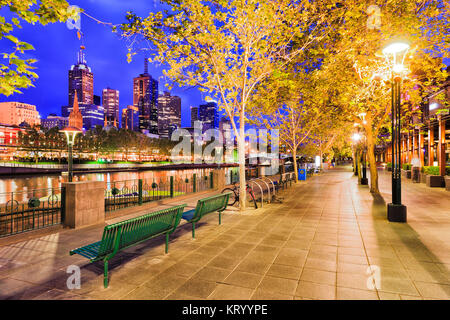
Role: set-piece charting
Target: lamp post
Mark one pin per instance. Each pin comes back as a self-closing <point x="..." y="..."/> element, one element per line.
<point x="70" y="132"/>
<point x="395" y="54"/>
<point x="364" y="180"/>
<point x="356" y="137"/>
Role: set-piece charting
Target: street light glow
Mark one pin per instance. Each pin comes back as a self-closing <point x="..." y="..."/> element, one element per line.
<point x="395" y="48"/>
<point x="356" y="137"/>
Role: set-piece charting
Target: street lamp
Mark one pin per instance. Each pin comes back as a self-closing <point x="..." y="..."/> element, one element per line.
<point x="395" y="54"/>
<point x="70" y="132"/>
<point x="356" y="137"/>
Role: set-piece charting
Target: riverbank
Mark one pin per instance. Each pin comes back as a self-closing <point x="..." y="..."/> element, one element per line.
<point x="13" y="169"/>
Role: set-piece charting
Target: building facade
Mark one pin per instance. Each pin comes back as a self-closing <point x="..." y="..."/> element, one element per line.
<point x="208" y="115"/>
<point x="428" y="138"/>
<point x="145" y="98"/>
<point x="169" y="114"/>
<point x="15" y="113"/>
<point x="54" y="121"/>
<point x="194" y="115"/>
<point x="110" y="99"/>
<point x="130" y="118"/>
<point x="75" y="116"/>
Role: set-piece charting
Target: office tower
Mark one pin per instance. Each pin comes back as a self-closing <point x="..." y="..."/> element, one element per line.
<point x="110" y="99"/>
<point x="81" y="81"/>
<point x="169" y="114"/>
<point x="130" y="118"/>
<point x="145" y="98"/>
<point x="208" y="115"/>
<point x="194" y="115"/>
<point x="15" y="113"/>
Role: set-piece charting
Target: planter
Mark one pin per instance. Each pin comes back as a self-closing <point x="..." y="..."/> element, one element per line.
<point x="423" y="177"/>
<point x="447" y="183"/>
<point x="389" y="168"/>
<point x="406" y="174"/>
<point x="435" y="181"/>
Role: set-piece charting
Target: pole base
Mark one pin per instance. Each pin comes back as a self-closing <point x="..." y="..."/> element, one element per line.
<point x="364" y="181"/>
<point x="396" y="212"/>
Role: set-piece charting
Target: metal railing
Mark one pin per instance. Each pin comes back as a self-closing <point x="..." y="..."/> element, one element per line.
<point x="22" y="211"/>
<point x="128" y="193"/>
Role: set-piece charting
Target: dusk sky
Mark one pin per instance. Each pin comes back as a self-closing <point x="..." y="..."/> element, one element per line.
<point x="57" y="47"/>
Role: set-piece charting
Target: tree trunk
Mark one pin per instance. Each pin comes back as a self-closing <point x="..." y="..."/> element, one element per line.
<point x="241" y="151"/>
<point x="372" y="161"/>
<point x="294" y="156"/>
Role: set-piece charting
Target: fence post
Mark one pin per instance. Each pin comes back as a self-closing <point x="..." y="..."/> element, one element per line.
<point x="194" y="183"/>
<point x="63" y="205"/>
<point x="140" y="191"/>
<point x="171" y="186"/>
<point x="211" y="182"/>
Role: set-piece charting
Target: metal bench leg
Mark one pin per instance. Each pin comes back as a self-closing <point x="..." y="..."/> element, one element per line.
<point x="193" y="229"/>
<point x="220" y="217"/>
<point x="105" y="274"/>
<point x="167" y="242"/>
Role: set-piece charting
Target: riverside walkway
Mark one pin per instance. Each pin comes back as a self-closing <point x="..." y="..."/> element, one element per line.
<point x="329" y="239"/>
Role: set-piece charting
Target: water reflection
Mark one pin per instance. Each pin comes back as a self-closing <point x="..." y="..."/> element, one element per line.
<point x="28" y="183"/>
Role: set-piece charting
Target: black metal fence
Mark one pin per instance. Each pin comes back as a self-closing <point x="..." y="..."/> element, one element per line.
<point x="23" y="211"/>
<point x="128" y="193"/>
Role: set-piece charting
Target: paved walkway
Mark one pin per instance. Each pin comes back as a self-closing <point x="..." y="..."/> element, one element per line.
<point x="329" y="239"/>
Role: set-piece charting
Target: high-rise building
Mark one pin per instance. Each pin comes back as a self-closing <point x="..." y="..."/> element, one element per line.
<point x="110" y="99"/>
<point x="81" y="81"/>
<point x="130" y="118"/>
<point x="93" y="115"/>
<point x="97" y="100"/>
<point x="145" y="98"/>
<point x="194" y="115"/>
<point x="169" y="114"/>
<point x="54" y="121"/>
<point x="208" y="115"/>
<point x="15" y="113"/>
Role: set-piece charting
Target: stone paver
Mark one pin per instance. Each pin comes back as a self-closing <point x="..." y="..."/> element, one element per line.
<point x="329" y="239"/>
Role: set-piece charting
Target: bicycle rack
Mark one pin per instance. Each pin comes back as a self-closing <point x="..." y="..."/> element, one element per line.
<point x="268" y="189"/>
<point x="262" y="192"/>
<point x="273" y="185"/>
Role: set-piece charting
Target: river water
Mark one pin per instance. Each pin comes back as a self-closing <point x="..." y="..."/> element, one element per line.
<point x="25" y="184"/>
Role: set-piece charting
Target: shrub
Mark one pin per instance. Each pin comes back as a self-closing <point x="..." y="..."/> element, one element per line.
<point x="432" y="170"/>
<point x="389" y="165"/>
<point x="406" y="166"/>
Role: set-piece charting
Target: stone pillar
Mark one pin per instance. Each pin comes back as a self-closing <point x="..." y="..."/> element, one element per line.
<point x="421" y="149"/>
<point x="218" y="179"/>
<point x="85" y="203"/>
<point x="441" y="147"/>
<point x="430" y="144"/>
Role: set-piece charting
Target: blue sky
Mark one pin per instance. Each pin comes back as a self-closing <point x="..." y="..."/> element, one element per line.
<point x="57" y="47"/>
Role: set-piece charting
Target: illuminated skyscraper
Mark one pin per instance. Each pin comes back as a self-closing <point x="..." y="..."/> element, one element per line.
<point x="145" y="98"/>
<point x="81" y="81"/>
<point x="130" y="118"/>
<point x="208" y="115"/>
<point x="194" y="115"/>
<point x="169" y="113"/>
<point x="111" y="105"/>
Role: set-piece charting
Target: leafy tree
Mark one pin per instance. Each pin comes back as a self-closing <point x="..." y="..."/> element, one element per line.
<point x="352" y="65"/>
<point x="227" y="48"/>
<point x="16" y="71"/>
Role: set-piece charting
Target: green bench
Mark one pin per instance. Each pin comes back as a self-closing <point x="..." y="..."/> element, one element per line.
<point x="207" y="205"/>
<point x="125" y="234"/>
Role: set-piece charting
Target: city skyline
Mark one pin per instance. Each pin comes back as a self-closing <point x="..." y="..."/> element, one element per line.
<point x="105" y="53"/>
